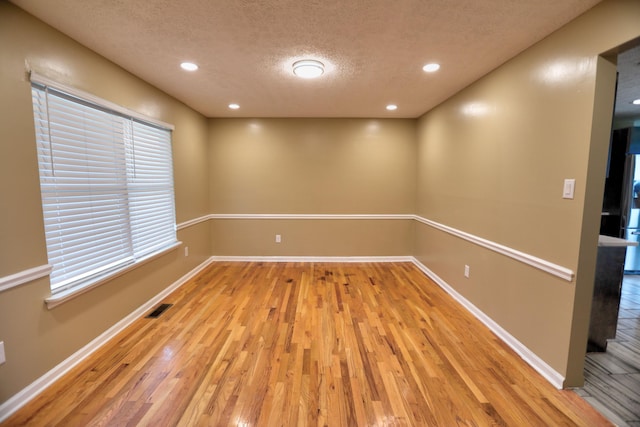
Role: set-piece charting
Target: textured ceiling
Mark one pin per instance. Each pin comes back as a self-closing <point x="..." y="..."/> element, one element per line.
<point x="374" y="49"/>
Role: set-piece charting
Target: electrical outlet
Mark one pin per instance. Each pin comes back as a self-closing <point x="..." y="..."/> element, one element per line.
<point x="278" y="238"/>
<point x="186" y="251"/>
<point x="2" y="357"/>
<point x="466" y="271"/>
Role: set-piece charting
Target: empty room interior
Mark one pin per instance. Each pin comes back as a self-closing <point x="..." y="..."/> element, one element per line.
<point x="368" y="199"/>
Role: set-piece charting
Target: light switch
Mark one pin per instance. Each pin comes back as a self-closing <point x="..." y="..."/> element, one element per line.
<point x="569" y="188"/>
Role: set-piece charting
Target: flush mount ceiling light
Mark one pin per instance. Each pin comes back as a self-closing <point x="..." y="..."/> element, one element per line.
<point x="308" y="68"/>
<point x="430" y="68"/>
<point x="189" y="66"/>
<point x="234" y="106"/>
<point x="392" y="107"/>
<point x="636" y="101"/>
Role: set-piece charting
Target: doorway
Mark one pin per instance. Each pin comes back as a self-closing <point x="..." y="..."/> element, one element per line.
<point x="612" y="378"/>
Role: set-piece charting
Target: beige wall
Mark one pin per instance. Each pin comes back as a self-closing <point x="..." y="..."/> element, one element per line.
<point x="492" y="161"/>
<point x="313" y="237"/>
<point x="36" y="339"/>
<point x="306" y="167"/>
<point x="312" y="166"/>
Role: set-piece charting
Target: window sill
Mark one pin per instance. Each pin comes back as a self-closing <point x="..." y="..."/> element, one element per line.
<point x="64" y="296"/>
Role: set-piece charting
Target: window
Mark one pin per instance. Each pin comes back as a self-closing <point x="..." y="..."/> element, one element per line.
<point x="106" y="180"/>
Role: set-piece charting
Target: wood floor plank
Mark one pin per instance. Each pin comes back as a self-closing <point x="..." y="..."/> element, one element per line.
<point x="288" y="344"/>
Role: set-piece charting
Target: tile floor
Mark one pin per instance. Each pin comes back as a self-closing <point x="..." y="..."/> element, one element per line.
<point x="612" y="379"/>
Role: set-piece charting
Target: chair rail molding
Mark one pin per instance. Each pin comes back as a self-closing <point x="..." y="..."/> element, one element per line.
<point x="24" y="276"/>
<point x="536" y="262"/>
<point x="539" y="263"/>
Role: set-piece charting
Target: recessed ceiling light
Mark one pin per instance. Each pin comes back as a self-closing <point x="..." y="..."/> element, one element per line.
<point x="392" y="107"/>
<point x="234" y="106"/>
<point x="430" y="68"/>
<point x="308" y="68"/>
<point x="636" y="101"/>
<point x="189" y="66"/>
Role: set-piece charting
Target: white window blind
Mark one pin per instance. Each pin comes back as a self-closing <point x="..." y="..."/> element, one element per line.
<point x="107" y="187"/>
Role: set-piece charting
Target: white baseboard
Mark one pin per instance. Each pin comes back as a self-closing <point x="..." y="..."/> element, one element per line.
<point x="314" y="258"/>
<point x="550" y="374"/>
<point x="32" y="390"/>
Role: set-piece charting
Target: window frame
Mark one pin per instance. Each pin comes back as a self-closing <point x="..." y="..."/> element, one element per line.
<point x="131" y="118"/>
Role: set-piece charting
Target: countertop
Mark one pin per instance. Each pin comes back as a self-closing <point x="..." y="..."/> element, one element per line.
<point x="608" y="241"/>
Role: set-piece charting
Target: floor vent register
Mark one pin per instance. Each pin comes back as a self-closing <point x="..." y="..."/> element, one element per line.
<point x="158" y="311"/>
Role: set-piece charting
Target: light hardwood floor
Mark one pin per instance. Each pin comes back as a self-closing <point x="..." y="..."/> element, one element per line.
<point x="612" y="378"/>
<point x="284" y="344"/>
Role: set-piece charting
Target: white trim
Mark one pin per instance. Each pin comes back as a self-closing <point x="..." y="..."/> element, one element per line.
<point x="314" y="258"/>
<point x="191" y="222"/>
<point x="24" y="276"/>
<point x="45" y="81"/>
<point x="550" y="374"/>
<point x="63" y="296"/>
<point x="541" y="264"/>
<point x="32" y="390"/>
<point x="311" y="216"/>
